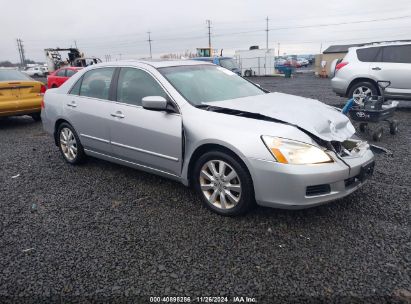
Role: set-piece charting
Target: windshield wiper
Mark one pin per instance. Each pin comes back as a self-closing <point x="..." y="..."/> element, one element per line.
<point x="203" y="106"/>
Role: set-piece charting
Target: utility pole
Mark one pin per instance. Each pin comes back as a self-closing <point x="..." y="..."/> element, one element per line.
<point x="321" y="47"/>
<point x="278" y="51"/>
<point x="149" y="42"/>
<point x="266" y="34"/>
<point x="18" y="47"/>
<point x="209" y="34"/>
<point x="21" y="52"/>
<point x="75" y="43"/>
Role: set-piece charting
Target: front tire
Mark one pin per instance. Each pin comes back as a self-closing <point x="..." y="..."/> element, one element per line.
<point x="223" y="183"/>
<point x="70" y="145"/>
<point x="377" y="135"/>
<point x="393" y="127"/>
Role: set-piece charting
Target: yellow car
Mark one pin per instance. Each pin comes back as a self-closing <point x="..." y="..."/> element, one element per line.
<point x="20" y="95"/>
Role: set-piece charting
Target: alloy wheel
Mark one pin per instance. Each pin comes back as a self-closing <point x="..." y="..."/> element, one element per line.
<point x="220" y="184"/>
<point x="360" y="94"/>
<point x="68" y="144"/>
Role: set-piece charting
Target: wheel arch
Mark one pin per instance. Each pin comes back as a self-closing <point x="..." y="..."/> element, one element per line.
<point x="56" y="126"/>
<point x="207" y="147"/>
<point x="361" y="79"/>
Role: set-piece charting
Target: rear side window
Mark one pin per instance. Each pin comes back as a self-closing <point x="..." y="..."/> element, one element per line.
<point x="135" y="84"/>
<point x="7" y="75"/>
<point x="61" y="73"/>
<point x="369" y="54"/>
<point x="397" y="54"/>
<point x="75" y="90"/>
<point x="96" y="83"/>
<point x="70" y="73"/>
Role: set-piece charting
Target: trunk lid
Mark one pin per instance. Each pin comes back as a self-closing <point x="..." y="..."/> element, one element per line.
<point x="311" y="115"/>
<point x="9" y="95"/>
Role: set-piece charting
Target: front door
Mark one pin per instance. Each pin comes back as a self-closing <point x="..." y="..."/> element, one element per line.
<point x="148" y="138"/>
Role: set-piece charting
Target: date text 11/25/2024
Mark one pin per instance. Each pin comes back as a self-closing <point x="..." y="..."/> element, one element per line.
<point x="237" y="299"/>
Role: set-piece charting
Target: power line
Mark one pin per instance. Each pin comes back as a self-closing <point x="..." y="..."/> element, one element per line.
<point x="314" y="25"/>
<point x="340" y="23"/>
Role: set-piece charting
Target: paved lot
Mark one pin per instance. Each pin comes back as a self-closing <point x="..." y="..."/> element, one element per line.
<point x="106" y="231"/>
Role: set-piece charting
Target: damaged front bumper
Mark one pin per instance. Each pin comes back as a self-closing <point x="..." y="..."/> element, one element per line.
<point x="301" y="186"/>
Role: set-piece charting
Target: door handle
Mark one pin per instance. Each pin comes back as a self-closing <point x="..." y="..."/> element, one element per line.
<point x="376" y="69"/>
<point x="72" y="104"/>
<point x="118" y="114"/>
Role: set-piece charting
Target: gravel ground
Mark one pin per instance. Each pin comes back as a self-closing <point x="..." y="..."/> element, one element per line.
<point x="106" y="232"/>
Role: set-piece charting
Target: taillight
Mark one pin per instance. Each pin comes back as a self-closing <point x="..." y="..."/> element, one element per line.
<point x="340" y="65"/>
<point x="43" y="89"/>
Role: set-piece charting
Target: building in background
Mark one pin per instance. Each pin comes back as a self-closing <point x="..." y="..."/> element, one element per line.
<point x="330" y="55"/>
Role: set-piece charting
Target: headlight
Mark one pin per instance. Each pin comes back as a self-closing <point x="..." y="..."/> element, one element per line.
<point x="294" y="152"/>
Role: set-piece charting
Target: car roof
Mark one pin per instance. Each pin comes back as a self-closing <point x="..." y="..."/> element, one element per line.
<point x="71" y="68"/>
<point x="154" y="63"/>
<point x="379" y="44"/>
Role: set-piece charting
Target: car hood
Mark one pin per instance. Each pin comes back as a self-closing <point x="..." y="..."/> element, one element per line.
<point x="313" y="116"/>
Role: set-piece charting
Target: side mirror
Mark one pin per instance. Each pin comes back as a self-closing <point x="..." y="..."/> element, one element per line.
<point x="155" y="103"/>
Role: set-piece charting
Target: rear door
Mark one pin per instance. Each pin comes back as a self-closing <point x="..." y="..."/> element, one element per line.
<point x="149" y="138"/>
<point x="88" y="109"/>
<point x="396" y="67"/>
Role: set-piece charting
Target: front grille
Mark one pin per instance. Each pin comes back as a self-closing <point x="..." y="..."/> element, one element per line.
<point x="318" y="190"/>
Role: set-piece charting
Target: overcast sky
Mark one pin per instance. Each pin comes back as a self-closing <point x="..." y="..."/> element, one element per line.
<point x="120" y="27"/>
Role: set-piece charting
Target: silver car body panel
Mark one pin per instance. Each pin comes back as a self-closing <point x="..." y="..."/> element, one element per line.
<point x="311" y="115"/>
<point x="164" y="143"/>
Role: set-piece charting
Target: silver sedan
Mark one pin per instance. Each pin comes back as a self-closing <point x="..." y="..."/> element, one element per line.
<point x="205" y="126"/>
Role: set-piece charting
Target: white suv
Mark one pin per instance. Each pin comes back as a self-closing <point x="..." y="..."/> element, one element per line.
<point x="357" y="74"/>
<point x="35" y="71"/>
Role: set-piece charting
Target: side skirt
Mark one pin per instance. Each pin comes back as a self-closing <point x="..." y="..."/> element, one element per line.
<point x="133" y="165"/>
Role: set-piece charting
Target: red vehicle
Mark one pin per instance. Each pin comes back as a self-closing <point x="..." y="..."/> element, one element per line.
<point x="58" y="77"/>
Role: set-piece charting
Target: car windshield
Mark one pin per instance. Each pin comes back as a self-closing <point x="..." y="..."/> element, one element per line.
<point x="6" y="75"/>
<point x="228" y="64"/>
<point x="207" y="83"/>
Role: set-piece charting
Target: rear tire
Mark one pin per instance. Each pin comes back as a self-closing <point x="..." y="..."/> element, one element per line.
<point x="362" y="89"/>
<point x="247" y="73"/>
<point x="36" y="116"/>
<point x="229" y="190"/>
<point x="70" y="145"/>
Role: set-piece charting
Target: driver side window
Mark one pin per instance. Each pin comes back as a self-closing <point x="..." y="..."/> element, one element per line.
<point x="134" y="85"/>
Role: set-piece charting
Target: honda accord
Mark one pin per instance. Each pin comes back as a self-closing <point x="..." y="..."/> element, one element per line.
<point x="207" y="127"/>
